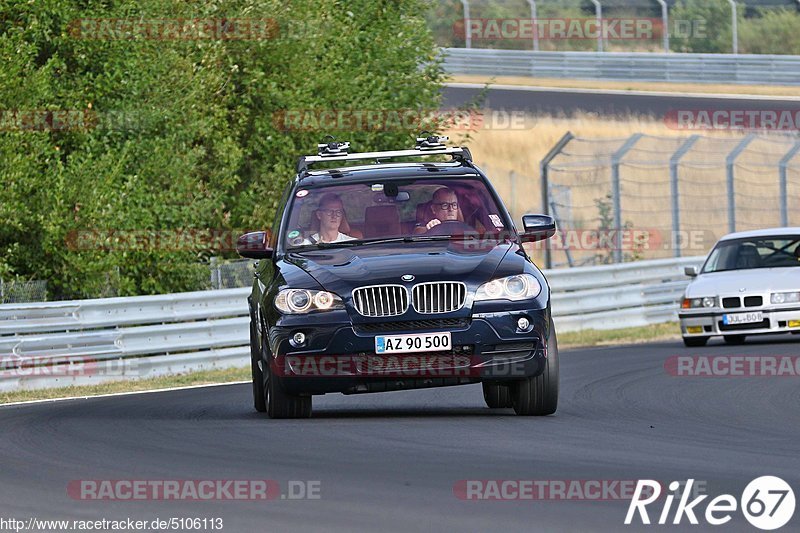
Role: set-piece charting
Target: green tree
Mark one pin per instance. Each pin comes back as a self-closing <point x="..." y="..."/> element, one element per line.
<point x="713" y="34"/>
<point x="181" y="134"/>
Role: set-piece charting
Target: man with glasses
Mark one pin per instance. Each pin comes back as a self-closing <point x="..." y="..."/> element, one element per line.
<point x="444" y="206"/>
<point x="330" y="215"/>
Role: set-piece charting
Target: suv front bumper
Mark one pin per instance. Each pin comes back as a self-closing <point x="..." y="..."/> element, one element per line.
<point x="339" y="357"/>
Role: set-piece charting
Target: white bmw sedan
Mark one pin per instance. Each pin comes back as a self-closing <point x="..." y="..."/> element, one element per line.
<point x="749" y="285"/>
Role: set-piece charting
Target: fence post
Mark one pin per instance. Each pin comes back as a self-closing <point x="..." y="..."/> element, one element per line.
<point x="544" y="172"/>
<point x="730" y="163"/>
<point x="616" y="192"/>
<point x="598" y="9"/>
<point x="512" y="177"/>
<point x="674" y="161"/>
<point x="665" y="23"/>
<point x="534" y="16"/>
<point x="467" y="32"/>
<point x="735" y="25"/>
<point x="784" y="167"/>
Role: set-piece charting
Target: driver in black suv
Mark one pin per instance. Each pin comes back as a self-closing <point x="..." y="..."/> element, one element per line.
<point x="444" y="206"/>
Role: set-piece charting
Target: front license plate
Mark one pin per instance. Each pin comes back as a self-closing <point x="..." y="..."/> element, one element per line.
<point x="742" y="318"/>
<point x="423" y="342"/>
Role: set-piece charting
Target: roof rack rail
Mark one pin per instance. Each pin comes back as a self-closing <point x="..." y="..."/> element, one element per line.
<point x="434" y="147"/>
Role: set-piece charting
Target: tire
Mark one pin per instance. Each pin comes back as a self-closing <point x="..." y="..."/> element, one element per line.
<point x="259" y="395"/>
<point x="497" y="396"/>
<point x="279" y="403"/>
<point x="695" y="342"/>
<point x="734" y="339"/>
<point x="538" y="396"/>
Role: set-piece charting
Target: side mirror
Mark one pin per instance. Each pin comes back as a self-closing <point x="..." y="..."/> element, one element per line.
<point x="537" y="228"/>
<point x="253" y="245"/>
<point x="691" y="271"/>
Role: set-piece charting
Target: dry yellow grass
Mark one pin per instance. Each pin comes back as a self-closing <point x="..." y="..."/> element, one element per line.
<point x="758" y="90"/>
<point x="644" y="176"/>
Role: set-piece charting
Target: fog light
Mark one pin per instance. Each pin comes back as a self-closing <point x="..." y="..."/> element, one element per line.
<point x="694" y="329"/>
<point x="794" y="323"/>
<point x="298" y="339"/>
<point x="523" y="323"/>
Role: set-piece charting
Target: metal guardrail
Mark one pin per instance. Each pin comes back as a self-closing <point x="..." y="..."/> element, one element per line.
<point x="93" y="341"/>
<point x="696" y="68"/>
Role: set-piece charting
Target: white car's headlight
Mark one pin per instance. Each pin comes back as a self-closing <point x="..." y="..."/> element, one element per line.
<point x="785" y="297"/>
<point x="515" y="288"/>
<point x="694" y="303"/>
<point x="301" y="301"/>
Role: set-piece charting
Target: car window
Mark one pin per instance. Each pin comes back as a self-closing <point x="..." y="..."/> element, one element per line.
<point x="390" y="209"/>
<point x="761" y="252"/>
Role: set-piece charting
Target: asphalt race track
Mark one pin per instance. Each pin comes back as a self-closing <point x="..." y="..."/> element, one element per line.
<point x="567" y="102"/>
<point x="391" y="461"/>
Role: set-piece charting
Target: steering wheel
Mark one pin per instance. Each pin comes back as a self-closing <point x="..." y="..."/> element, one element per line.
<point x="450" y="227"/>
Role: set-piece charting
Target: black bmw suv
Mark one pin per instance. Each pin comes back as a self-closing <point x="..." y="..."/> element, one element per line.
<point x="382" y="274"/>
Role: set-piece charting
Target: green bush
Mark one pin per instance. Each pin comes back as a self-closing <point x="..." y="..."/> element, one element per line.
<point x="181" y="134"/>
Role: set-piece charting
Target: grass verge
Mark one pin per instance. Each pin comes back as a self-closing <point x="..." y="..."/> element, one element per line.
<point x="595" y="337"/>
<point x="566" y="340"/>
<point x="665" y="87"/>
<point x="205" y="377"/>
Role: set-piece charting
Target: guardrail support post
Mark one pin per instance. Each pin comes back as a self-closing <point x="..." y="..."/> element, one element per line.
<point x="467" y="32"/>
<point x="730" y="163"/>
<point x="616" y="192"/>
<point x="544" y="172"/>
<point x="784" y="193"/>
<point x="665" y="23"/>
<point x="598" y="9"/>
<point x="534" y="16"/>
<point x="674" y="161"/>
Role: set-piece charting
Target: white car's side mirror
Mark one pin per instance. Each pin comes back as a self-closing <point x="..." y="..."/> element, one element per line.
<point x="691" y="271"/>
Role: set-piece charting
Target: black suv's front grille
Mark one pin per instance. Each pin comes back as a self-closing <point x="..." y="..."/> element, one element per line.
<point x="413" y="325"/>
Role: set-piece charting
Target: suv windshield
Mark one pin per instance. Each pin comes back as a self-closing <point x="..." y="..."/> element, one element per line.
<point x="758" y="252"/>
<point x="354" y="214"/>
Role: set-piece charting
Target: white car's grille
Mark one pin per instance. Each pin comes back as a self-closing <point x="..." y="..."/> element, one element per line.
<point x="381" y="300"/>
<point x="439" y="297"/>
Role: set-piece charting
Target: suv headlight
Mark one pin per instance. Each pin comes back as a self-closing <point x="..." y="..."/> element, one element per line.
<point x="515" y="288"/>
<point x="301" y="301"/>
<point x="694" y="303"/>
<point x="785" y="297"/>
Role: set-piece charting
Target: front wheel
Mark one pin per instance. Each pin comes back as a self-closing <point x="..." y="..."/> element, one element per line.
<point x="259" y="395"/>
<point x="538" y="396"/>
<point x="695" y="342"/>
<point x="279" y="403"/>
<point x="735" y="340"/>
<point x="497" y="396"/>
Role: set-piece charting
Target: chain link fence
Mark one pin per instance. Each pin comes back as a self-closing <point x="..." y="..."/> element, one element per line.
<point x="649" y="197"/>
<point x="231" y="274"/>
<point x="22" y="291"/>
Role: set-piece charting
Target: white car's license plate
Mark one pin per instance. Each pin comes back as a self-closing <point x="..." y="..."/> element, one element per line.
<point x="742" y="318"/>
<point x="422" y="342"/>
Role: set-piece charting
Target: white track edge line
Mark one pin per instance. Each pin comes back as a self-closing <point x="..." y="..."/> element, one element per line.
<point x="113" y="394"/>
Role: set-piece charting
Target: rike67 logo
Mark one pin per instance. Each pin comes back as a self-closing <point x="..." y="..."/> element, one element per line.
<point x="767" y="502"/>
